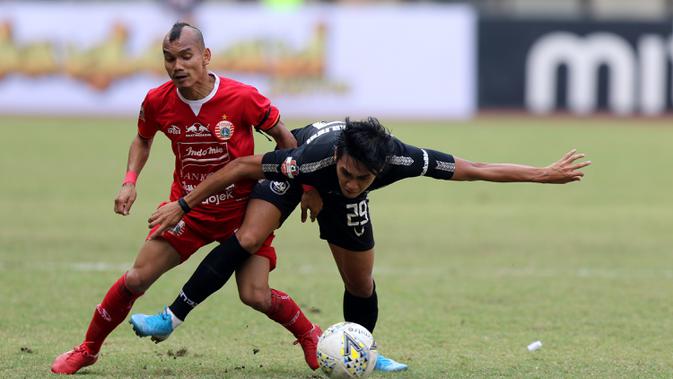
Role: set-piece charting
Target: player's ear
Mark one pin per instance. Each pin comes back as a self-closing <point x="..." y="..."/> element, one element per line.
<point x="206" y="56"/>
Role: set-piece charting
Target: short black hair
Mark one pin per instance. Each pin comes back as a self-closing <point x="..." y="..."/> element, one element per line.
<point x="176" y="31"/>
<point x="366" y="141"/>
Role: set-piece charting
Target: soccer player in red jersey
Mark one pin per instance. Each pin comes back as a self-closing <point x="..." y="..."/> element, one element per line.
<point x="209" y="120"/>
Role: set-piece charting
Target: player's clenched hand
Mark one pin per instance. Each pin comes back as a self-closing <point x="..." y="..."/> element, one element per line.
<point x="165" y="217"/>
<point x="312" y="202"/>
<point x="125" y="198"/>
<point x="566" y="169"/>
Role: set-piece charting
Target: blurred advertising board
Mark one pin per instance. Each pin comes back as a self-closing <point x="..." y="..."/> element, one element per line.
<point x="316" y="62"/>
<point x="582" y="67"/>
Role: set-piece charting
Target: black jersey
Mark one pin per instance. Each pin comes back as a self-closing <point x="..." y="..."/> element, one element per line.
<point x="313" y="162"/>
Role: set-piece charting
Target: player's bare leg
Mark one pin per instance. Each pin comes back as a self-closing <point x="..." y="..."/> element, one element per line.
<point x="262" y="218"/>
<point x="253" y="288"/>
<point x="360" y="299"/>
<point x="155" y="258"/>
<point x="355" y="268"/>
<point x="252" y="280"/>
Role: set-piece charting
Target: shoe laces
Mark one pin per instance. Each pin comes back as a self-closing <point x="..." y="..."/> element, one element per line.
<point x="80" y="349"/>
<point x="164" y="315"/>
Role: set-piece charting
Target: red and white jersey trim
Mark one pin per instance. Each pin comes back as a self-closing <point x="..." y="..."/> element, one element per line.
<point x="196" y="105"/>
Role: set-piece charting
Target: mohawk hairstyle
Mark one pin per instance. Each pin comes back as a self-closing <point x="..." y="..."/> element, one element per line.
<point x="176" y="31"/>
<point x="368" y="142"/>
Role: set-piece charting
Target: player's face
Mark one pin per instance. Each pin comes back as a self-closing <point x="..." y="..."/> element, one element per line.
<point x="185" y="60"/>
<point x="354" y="178"/>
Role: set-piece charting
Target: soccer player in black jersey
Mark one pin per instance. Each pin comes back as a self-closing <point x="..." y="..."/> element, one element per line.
<point x="342" y="161"/>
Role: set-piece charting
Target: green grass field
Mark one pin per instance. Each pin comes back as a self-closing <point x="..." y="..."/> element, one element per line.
<point x="468" y="274"/>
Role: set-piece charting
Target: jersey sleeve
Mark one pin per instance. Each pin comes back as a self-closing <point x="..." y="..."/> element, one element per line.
<point x="305" y="164"/>
<point x="282" y="164"/>
<point x="411" y="161"/>
<point x="261" y="114"/>
<point x="147" y="124"/>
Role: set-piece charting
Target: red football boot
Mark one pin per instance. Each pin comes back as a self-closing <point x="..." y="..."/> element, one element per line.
<point x="309" y="343"/>
<point x="71" y="361"/>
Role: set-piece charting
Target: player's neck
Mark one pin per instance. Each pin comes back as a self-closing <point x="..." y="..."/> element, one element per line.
<point x="200" y="89"/>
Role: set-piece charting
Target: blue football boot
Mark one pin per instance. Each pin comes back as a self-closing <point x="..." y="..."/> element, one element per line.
<point x="388" y="365"/>
<point x="158" y="326"/>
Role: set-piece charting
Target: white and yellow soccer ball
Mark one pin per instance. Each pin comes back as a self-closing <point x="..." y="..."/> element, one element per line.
<point x="347" y="350"/>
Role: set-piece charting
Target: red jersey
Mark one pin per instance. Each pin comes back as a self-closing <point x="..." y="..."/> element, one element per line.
<point x="206" y="134"/>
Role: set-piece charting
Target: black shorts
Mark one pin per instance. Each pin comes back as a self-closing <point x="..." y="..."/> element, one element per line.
<point x="346" y="222"/>
<point x="283" y="195"/>
<point x="343" y="222"/>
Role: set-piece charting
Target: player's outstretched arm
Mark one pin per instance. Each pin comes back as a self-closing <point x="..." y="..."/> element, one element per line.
<point x="565" y="170"/>
<point x="249" y="167"/>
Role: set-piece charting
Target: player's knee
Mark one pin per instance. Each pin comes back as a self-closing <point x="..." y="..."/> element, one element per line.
<point x="249" y="240"/>
<point x="136" y="282"/>
<point x="256" y="297"/>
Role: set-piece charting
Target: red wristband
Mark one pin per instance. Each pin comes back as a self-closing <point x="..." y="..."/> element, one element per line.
<point x="307" y="188"/>
<point x="131" y="177"/>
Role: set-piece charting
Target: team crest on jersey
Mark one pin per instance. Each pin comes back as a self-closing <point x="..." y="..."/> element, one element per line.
<point x="224" y="130"/>
<point x="279" y="188"/>
<point x="289" y="168"/>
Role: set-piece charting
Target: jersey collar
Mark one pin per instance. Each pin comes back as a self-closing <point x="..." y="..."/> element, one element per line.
<point x="196" y="105"/>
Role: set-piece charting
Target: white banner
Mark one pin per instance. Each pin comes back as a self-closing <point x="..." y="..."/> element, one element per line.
<point x="316" y="62"/>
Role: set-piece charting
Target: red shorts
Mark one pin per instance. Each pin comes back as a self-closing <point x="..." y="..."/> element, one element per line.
<point x="191" y="233"/>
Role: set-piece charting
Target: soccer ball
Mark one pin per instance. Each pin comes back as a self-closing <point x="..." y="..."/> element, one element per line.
<point x="347" y="350"/>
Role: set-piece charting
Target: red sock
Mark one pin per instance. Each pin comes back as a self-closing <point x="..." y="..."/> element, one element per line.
<point x="108" y="314"/>
<point x="287" y="313"/>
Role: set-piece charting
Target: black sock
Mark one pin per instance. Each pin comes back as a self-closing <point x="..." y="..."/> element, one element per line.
<point x="213" y="272"/>
<point x="362" y="310"/>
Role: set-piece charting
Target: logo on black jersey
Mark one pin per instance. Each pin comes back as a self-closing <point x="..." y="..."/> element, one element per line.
<point x="289" y="168"/>
<point x="279" y="188"/>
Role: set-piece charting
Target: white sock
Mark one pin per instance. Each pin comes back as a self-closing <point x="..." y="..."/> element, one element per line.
<point x="175" y="321"/>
